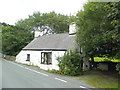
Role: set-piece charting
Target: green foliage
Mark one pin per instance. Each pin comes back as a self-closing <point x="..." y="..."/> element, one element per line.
<point x="70" y="63"/>
<point x="14" y="38"/>
<point x="52" y="22"/>
<point x="98" y="32"/>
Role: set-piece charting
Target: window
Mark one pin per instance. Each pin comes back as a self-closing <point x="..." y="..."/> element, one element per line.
<point x="46" y="58"/>
<point x="28" y="57"/>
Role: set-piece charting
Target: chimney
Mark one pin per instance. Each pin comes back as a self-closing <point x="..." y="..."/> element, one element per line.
<point x="38" y="33"/>
<point x="72" y="28"/>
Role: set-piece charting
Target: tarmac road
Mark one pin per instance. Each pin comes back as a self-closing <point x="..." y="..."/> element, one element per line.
<point x="19" y="76"/>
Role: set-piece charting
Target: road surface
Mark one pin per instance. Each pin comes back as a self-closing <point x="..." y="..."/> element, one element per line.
<point x="19" y="76"/>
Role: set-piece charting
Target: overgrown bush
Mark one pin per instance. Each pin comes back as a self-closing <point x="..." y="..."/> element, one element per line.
<point x="70" y="63"/>
<point x="10" y="58"/>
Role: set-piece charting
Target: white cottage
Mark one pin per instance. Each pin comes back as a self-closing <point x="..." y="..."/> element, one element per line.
<point x="44" y="49"/>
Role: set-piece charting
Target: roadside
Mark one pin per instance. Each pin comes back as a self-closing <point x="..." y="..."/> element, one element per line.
<point x="100" y="79"/>
<point x="97" y="79"/>
<point x="90" y="79"/>
<point x="0" y="74"/>
<point x="67" y="81"/>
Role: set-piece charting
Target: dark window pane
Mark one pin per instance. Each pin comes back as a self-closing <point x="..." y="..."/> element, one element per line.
<point x="28" y="57"/>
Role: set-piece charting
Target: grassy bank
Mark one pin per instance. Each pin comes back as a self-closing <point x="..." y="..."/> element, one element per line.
<point x="99" y="80"/>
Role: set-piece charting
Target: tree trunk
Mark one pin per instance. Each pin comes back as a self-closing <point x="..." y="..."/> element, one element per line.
<point x="86" y="64"/>
<point x="92" y="63"/>
<point x="92" y="59"/>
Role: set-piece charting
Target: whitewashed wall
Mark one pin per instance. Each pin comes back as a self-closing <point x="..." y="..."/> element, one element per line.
<point x="35" y="59"/>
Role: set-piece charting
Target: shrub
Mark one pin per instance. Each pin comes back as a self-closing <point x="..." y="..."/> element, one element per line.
<point x="70" y="63"/>
<point x="10" y="58"/>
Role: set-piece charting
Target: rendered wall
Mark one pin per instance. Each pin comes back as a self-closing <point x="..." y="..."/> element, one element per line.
<point x="35" y="59"/>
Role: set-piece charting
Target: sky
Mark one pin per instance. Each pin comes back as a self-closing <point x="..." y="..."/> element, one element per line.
<point x="12" y="11"/>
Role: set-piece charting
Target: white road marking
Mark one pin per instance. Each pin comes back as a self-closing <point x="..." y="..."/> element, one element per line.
<point x="61" y="80"/>
<point x="41" y="73"/>
<point x="36" y="71"/>
<point x="82" y="87"/>
<point x="28" y="68"/>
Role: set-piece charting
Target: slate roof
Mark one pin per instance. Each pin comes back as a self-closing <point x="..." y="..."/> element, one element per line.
<point x="62" y="41"/>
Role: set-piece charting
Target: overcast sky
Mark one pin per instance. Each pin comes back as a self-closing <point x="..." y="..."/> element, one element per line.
<point x="13" y="10"/>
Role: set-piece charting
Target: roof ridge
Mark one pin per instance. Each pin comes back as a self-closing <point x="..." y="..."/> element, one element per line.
<point x="53" y="34"/>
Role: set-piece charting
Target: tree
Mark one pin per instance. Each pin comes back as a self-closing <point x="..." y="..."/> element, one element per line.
<point x="51" y="22"/>
<point x="114" y="18"/>
<point x="14" y="39"/>
<point x="18" y="36"/>
<point x="96" y="32"/>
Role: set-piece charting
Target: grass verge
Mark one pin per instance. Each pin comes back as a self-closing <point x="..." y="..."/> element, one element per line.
<point x="99" y="80"/>
<point x="33" y="66"/>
